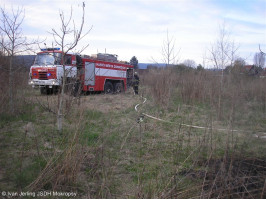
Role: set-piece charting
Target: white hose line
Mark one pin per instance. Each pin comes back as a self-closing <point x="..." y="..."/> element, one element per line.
<point x="187" y="125"/>
<point x="136" y="107"/>
<point x="157" y="118"/>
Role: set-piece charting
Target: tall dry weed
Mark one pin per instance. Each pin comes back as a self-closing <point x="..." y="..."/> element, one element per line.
<point x="161" y="83"/>
<point x="20" y="83"/>
<point x="240" y="91"/>
<point x="62" y="169"/>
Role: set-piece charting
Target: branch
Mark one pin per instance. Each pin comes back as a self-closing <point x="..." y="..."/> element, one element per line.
<point x="261" y="50"/>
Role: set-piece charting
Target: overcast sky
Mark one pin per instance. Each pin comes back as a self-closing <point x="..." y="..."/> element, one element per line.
<point x="138" y="28"/>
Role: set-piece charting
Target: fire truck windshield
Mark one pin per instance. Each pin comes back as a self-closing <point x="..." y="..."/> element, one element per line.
<point x="48" y="59"/>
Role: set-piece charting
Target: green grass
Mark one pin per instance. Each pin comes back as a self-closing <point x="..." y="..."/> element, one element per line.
<point x="93" y="115"/>
<point x="28" y="172"/>
<point x="94" y="127"/>
<point x="27" y="114"/>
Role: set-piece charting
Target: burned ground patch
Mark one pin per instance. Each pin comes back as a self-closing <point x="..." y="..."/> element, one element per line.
<point x="230" y="178"/>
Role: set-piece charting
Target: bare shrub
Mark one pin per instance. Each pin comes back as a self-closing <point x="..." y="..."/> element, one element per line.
<point x="240" y="92"/>
<point x="190" y="86"/>
<point x="197" y="87"/>
<point x="19" y="87"/>
<point x="161" y="83"/>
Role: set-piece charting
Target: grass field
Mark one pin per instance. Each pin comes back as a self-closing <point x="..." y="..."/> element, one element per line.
<point x="193" y="146"/>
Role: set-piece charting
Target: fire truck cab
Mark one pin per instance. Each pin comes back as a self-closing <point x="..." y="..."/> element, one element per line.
<point x="47" y="70"/>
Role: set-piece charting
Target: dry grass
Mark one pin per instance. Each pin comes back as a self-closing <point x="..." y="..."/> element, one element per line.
<point x="160" y="85"/>
<point x="20" y="81"/>
<point x="108" y="103"/>
<point x="104" y="152"/>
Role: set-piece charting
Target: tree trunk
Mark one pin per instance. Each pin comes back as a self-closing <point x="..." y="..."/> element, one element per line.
<point x="220" y="95"/>
<point x="60" y="105"/>
<point x="11" y="100"/>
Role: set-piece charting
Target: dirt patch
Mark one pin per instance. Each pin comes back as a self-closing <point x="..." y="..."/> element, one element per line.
<point x="101" y="102"/>
<point x="109" y="103"/>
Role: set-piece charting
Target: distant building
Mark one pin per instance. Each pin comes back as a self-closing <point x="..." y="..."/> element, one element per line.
<point x="263" y="73"/>
<point x="252" y="70"/>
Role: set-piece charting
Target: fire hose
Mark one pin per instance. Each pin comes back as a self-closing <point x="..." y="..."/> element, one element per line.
<point x="142" y="115"/>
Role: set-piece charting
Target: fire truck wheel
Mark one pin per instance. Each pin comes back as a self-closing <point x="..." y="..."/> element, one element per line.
<point x="49" y="91"/>
<point x="43" y="90"/>
<point x="119" y="87"/>
<point x="55" y="90"/>
<point x="108" y="88"/>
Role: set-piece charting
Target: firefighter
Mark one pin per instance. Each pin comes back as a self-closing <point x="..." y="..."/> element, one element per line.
<point x="77" y="85"/>
<point x="136" y="83"/>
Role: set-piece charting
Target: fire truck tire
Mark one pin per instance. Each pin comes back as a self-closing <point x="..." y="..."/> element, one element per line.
<point x="119" y="87"/>
<point x="49" y="91"/>
<point x="46" y="90"/>
<point x="108" y="88"/>
<point x="55" y="90"/>
<point x="43" y="90"/>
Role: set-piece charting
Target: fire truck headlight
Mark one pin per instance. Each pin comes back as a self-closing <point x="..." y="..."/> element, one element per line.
<point x="53" y="82"/>
<point x="31" y="82"/>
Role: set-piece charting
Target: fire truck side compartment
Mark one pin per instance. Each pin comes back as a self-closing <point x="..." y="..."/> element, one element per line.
<point x="89" y="74"/>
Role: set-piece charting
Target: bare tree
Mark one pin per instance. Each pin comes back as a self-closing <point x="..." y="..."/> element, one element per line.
<point x="232" y="53"/>
<point x="190" y="63"/>
<point x="60" y="38"/>
<point x="223" y="53"/>
<point x="259" y="59"/>
<point x="261" y="51"/>
<point x="240" y="62"/>
<point x="220" y="49"/>
<point x="169" y="53"/>
<point x="237" y="67"/>
<point x="12" y="43"/>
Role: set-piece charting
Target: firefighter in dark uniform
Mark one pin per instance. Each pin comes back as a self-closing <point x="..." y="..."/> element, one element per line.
<point x="77" y="85"/>
<point x="136" y="83"/>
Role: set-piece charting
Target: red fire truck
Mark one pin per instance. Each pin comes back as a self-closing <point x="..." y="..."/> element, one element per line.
<point x="100" y="72"/>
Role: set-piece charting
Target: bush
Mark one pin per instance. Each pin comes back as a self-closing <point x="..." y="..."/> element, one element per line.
<point x="161" y="84"/>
